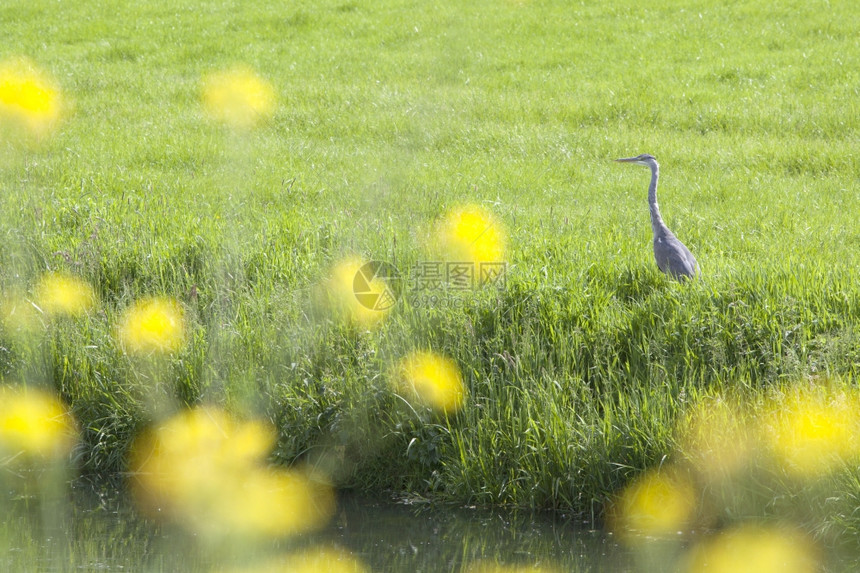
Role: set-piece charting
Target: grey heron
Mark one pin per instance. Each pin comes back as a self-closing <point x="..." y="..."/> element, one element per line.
<point x="673" y="258"/>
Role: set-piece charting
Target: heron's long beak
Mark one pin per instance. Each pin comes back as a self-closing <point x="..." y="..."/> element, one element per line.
<point x="626" y="160"/>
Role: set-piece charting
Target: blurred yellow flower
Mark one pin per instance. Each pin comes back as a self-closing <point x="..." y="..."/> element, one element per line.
<point x="18" y="314"/>
<point x="488" y="567"/>
<point x="813" y="432"/>
<point x="355" y="294"/>
<point x="434" y="380"/>
<point x="28" y="99"/>
<point x="206" y="470"/>
<point x="331" y="560"/>
<point x="34" y="423"/>
<point x="152" y="325"/>
<point x="238" y="97"/>
<point x="62" y="294"/>
<point x="754" y="549"/>
<point x="471" y="234"/>
<point x="658" y="503"/>
<point x="191" y="453"/>
<point x="312" y="560"/>
<point x="277" y="502"/>
<point x="716" y="438"/>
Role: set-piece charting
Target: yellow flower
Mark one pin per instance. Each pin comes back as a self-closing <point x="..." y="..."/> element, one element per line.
<point x="238" y="97"/>
<point x="18" y="314"/>
<point x="312" y="560"/>
<point x="275" y="502"/>
<point x="471" y="234"/>
<point x="717" y="439"/>
<point x="754" y="549"/>
<point x="34" y="423"/>
<point x="153" y="325"/>
<point x="491" y="567"/>
<point x="61" y="294"/>
<point x="27" y="98"/>
<point x="331" y="560"/>
<point x="658" y="503"/>
<point x="357" y="294"/>
<point x="434" y="380"/>
<point x="207" y="471"/>
<point x="813" y="433"/>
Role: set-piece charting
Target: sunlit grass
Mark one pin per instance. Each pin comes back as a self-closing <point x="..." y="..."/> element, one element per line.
<point x="719" y="439"/>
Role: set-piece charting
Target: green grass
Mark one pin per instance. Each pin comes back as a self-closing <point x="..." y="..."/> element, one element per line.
<point x="390" y="113"/>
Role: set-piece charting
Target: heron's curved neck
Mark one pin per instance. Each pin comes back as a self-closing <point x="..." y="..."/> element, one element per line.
<point x="657" y="224"/>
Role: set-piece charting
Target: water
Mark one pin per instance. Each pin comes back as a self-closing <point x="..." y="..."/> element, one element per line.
<point x="88" y="531"/>
<point x="78" y="529"/>
<point x="391" y="537"/>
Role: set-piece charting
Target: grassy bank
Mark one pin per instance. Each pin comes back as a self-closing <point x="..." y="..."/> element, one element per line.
<point x="388" y="115"/>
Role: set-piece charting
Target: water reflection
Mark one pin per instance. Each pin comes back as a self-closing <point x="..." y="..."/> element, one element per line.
<point x="88" y="530"/>
<point x="397" y="537"/>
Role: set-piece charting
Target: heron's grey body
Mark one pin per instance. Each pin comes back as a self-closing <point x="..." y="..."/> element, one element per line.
<point x="673" y="257"/>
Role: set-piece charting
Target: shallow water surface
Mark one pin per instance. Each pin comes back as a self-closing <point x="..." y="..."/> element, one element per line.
<point x="88" y="531"/>
<point x="396" y="537"/>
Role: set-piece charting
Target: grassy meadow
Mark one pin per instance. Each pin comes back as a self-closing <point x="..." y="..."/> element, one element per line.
<point x="578" y="373"/>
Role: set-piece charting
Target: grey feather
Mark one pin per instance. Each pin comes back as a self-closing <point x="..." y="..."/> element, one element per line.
<point x="673" y="257"/>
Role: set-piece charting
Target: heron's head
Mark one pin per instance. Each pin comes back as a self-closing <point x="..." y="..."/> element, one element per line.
<point x="644" y="159"/>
